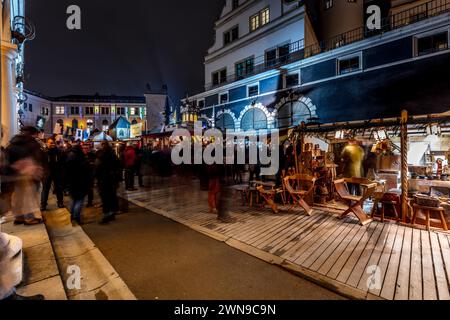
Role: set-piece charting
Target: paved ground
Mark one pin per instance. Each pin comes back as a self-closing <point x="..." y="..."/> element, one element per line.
<point x="161" y="259"/>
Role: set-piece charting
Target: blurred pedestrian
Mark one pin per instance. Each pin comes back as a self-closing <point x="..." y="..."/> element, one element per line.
<point x="11" y="259"/>
<point x="53" y="175"/>
<point x="79" y="180"/>
<point x="25" y="197"/>
<point x="218" y="194"/>
<point x="107" y="171"/>
<point x="130" y="160"/>
<point x="91" y="162"/>
<point x="138" y="164"/>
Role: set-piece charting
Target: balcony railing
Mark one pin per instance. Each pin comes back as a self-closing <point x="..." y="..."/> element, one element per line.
<point x="297" y="51"/>
<point x="261" y="64"/>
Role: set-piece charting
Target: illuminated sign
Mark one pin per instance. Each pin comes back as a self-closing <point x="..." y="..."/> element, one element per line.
<point x="136" y="130"/>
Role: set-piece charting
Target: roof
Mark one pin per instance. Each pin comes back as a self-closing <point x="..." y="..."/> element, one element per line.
<point x="100" y="99"/>
<point x="91" y="98"/>
<point x="124" y="123"/>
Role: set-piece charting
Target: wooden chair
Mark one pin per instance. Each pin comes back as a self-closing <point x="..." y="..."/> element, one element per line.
<point x="355" y="202"/>
<point x="269" y="197"/>
<point x="304" y="187"/>
<point x="390" y="202"/>
<point x="427" y="211"/>
<point x="241" y="190"/>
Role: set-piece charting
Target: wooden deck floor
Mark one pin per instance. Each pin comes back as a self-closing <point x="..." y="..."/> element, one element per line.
<point x="387" y="260"/>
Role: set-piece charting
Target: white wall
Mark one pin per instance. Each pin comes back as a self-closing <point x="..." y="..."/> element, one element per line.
<point x="291" y="33"/>
<point x="38" y="103"/>
<point x="242" y="19"/>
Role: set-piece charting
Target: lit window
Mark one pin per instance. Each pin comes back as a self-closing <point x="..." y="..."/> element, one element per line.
<point x="60" y="110"/>
<point x="254" y="22"/>
<point x="105" y="125"/>
<point x="260" y="19"/>
<point x="132" y="111"/>
<point x="433" y="43"/>
<point x="328" y="4"/>
<point x="265" y="16"/>
<point x="350" y="64"/>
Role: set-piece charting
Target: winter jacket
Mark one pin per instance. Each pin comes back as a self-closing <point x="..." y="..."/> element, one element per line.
<point x="130" y="157"/>
<point x="79" y="174"/>
<point x="107" y="168"/>
<point x="22" y="147"/>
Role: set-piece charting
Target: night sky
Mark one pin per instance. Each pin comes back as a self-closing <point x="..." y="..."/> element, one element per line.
<point x="122" y="46"/>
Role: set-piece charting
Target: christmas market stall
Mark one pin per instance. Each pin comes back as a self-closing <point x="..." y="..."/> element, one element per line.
<point x="395" y="168"/>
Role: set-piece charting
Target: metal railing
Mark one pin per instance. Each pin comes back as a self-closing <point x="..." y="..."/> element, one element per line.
<point x="261" y="64"/>
<point x="297" y="51"/>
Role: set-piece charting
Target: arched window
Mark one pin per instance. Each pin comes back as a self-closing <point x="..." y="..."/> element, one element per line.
<point x="90" y="124"/>
<point x="292" y="114"/>
<point x="134" y="121"/>
<point x="225" y="122"/>
<point x="75" y="123"/>
<point x="105" y="125"/>
<point x="254" y="119"/>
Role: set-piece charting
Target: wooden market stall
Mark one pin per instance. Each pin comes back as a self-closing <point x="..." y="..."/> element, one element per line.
<point x="407" y="157"/>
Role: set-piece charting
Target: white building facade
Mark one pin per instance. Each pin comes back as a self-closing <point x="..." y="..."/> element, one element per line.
<point x="275" y="65"/>
<point x="94" y="112"/>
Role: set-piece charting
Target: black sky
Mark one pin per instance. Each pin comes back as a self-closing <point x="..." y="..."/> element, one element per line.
<point x="122" y="46"/>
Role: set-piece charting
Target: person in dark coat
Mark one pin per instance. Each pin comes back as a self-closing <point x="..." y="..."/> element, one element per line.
<point x="79" y="178"/>
<point x="218" y="195"/>
<point x="25" y="146"/>
<point x="107" y="171"/>
<point x="91" y="157"/>
<point x="130" y="162"/>
<point x="139" y="154"/>
<point x="53" y="175"/>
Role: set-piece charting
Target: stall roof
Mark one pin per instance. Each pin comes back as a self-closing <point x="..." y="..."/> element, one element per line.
<point x="120" y="122"/>
<point x="417" y="125"/>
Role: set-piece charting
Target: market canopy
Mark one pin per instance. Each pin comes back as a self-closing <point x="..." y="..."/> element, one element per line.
<point x="120" y="129"/>
<point x="101" y="136"/>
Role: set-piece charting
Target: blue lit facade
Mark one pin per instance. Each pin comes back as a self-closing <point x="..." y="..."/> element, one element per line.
<point x="370" y="76"/>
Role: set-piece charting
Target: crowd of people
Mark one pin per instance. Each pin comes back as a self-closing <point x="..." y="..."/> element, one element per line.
<point x="70" y="169"/>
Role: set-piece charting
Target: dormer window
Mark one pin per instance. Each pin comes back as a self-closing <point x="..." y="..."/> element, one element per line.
<point x="231" y="35"/>
<point x="260" y="19"/>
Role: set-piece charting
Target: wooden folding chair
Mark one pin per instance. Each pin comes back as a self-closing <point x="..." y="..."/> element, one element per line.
<point x="304" y="186"/>
<point x="355" y="202"/>
<point x="269" y="197"/>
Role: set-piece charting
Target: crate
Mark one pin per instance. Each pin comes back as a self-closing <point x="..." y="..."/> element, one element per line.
<point x="426" y="201"/>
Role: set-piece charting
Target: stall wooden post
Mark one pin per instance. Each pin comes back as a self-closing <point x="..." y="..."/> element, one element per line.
<point x="404" y="164"/>
<point x="296" y="156"/>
